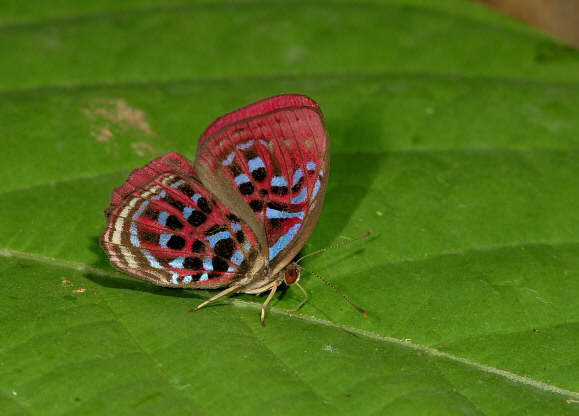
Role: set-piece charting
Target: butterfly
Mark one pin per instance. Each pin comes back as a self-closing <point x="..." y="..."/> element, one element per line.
<point x="236" y="217"/>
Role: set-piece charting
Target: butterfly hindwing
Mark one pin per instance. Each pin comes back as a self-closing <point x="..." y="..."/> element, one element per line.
<point x="271" y="160"/>
<point x="164" y="226"/>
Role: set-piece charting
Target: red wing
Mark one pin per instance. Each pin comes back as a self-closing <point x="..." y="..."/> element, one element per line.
<point x="165" y="227"/>
<point x="273" y="156"/>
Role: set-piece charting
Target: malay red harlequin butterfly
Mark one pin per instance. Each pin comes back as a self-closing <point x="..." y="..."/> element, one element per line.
<point x="238" y="215"/>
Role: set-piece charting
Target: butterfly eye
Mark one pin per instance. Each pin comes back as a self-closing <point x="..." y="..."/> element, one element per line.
<point x="291" y="276"/>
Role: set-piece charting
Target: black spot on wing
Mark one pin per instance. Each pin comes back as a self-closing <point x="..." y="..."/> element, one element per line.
<point x="193" y="263"/>
<point x="176" y="242"/>
<point x="187" y="190"/>
<point x="279" y="190"/>
<point x="225" y="248"/>
<point x="196" y="277"/>
<point x="246" y="188"/>
<point x="256" y="205"/>
<point x="151" y="214"/>
<point x="233" y="218"/>
<point x="275" y="222"/>
<point x="277" y="206"/>
<point x="196" y="218"/>
<point x="203" y="205"/>
<point x="235" y="169"/>
<point x="173" y="223"/>
<point x="219" y="265"/>
<point x="259" y="174"/>
<point x="149" y="237"/>
<point x="197" y="246"/>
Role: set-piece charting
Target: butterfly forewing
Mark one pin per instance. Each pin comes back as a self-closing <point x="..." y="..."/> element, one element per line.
<point x="271" y="160"/>
<point x="164" y="226"/>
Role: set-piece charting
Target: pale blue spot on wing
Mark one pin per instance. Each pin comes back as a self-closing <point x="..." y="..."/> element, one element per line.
<point x="134" y="236"/>
<point x="283" y="241"/>
<point x="246" y="246"/>
<point x="207" y="263"/>
<point x="310" y="166"/>
<point x="317" y="187"/>
<point x="204" y="277"/>
<point x="196" y="197"/>
<point x="178" y="183"/>
<point x="187" y="211"/>
<point x="230" y="269"/>
<point x="164" y="239"/>
<point x="278" y="181"/>
<point x="297" y="176"/>
<point x="174" y="278"/>
<point x="235" y="226"/>
<point x="177" y="263"/>
<point x="228" y="159"/>
<point x="274" y="213"/>
<point x="141" y="209"/>
<point x="255" y="163"/>
<point x="244" y="146"/>
<point x="163" y="218"/>
<point x="242" y="178"/>
<point x="161" y="195"/>
<point x="301" y="197"/>
<point x="152" y="260"/>
<point x="213" y="239"/>
<point x="237" y="257"/>
<point x="187" y="279"/>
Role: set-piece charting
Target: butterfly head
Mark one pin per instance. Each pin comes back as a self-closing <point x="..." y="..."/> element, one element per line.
<point x="292" y="274"/>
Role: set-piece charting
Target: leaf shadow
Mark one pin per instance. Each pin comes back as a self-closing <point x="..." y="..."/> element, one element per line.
<point x="352" y="168"/>
<point x="116" y="281"/>
<point x="345" y="193"/>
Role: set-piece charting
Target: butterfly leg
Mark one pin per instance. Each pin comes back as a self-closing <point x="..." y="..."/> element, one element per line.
<point x="302" y="302"/>
<point x="273" y="289"/>
<point x="217" y="296"/>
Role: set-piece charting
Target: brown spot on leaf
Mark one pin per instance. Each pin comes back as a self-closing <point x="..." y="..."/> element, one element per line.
<point x="110" y="117"/>
<point x="142" y="148"/>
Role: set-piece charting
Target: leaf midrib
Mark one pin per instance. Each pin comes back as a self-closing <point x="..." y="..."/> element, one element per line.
<point x="571" y="395"/>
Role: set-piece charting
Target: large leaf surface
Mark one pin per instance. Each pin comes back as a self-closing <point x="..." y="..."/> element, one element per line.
<point x="454" y="140"/>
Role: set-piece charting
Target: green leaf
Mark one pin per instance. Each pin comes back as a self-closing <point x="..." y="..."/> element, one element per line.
<point x="454" y="140"/>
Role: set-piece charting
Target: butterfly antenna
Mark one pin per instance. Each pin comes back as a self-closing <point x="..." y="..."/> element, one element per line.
<point x="362" y="311"/>
<point x="366" y="234"/>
